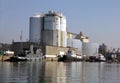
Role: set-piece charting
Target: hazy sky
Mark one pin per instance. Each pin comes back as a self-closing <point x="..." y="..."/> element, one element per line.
<point x="97" y="19"/>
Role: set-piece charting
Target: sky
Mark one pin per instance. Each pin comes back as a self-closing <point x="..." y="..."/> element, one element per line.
<point x="97" y="19"/>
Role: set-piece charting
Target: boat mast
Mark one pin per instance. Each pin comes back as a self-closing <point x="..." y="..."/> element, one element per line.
<point x="21" y="42"/>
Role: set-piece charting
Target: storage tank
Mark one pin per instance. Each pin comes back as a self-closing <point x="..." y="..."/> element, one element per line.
<point x="35" y="28"/>
<point x="90" y="49"/>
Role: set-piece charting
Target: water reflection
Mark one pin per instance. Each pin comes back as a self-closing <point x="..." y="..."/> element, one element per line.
<point x="110" y="73"/>
<point x="59" y="72"/>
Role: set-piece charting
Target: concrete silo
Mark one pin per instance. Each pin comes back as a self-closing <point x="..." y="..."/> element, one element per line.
<point x="36" y="25"/>
<point x="48" y="29"/>
<point x="54" y="32"/>
<point x="63" y="31"/>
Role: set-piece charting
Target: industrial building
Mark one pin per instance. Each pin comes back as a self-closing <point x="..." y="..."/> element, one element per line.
<point x="82" y="43"/>
<point x="48" y="33"/>
<point x="48" y="29"/>
<point x="19" y="47"/>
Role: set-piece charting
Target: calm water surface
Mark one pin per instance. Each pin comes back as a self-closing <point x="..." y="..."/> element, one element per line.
<point x="59" y="72"/>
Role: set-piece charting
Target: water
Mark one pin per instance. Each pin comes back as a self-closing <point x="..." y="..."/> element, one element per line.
<point x="59" y="72"/>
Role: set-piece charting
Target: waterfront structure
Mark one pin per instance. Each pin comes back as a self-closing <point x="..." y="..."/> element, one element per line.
<point x="48" y="29"/>
<point x="52" y="52"/>
<point x="25" y="47"/>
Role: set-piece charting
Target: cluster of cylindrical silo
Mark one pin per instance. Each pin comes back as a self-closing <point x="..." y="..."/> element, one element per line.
<point x="48" y="29"/>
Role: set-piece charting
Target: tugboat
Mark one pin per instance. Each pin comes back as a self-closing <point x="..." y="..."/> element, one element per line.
<point x="70" y="56"/>
<point x="97" y="58"/>
<point x="17" y="58"/>
<point x="100" y="58"/>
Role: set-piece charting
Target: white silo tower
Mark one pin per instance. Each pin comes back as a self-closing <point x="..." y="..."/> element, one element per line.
<point x="35" y="28"/>
<point x="63" y="31"/>
<point x="54" y="32"/>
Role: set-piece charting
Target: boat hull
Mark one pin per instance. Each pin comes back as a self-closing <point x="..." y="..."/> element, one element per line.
<point x="66" y="58"/>
<point x="16" y="59"/>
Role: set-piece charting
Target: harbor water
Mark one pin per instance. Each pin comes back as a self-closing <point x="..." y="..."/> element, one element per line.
<point x="59" y="72"/>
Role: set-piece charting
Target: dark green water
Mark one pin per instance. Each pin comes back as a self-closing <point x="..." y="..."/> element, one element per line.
<point x="59" y="72"/>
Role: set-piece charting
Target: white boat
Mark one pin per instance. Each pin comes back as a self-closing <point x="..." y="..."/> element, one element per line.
<point x="37" y="57"/>
<point x="100" y="57"/>
<point x="31" y="57"/>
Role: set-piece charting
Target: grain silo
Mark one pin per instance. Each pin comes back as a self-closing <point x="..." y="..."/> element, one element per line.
<point x="48" y="29"/>
<point x="36" y="24"/>
<point x="54" y="32"/>
<point x="63" y="31"/>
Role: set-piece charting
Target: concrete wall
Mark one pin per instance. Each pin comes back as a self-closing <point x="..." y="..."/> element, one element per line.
<point x="54" y="38"/>
<point x="51" y="37"/>
<point x="52" y="50"/>
<point x="47" y="37"/>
